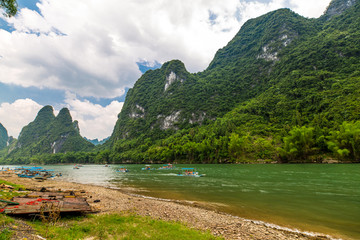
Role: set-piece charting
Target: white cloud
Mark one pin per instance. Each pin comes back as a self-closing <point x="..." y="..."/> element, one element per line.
<point x="309" y="8"/>
<point x="99" y="43"/>
<point x="18" y="114"/>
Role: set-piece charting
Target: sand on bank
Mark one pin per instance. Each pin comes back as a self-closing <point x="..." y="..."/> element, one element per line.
<point x="219" y="224"/>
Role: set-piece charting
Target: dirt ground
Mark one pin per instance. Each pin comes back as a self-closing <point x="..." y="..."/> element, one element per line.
<point x="219" y="224"/>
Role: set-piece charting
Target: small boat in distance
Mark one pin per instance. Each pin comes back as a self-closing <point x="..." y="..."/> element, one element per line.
<point x="166" y="167"/>
<point x="147" y="167"/>
<point x="76" y="167"/>
<point x="190" y="172"/>
<point x="122" y="169"/>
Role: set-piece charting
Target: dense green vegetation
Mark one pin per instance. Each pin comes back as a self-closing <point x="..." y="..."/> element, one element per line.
<point x="285" y="89"/>
<point x="235" y="75"/>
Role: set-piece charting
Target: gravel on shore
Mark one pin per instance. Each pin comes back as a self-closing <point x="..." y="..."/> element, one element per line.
<point x="219" y="224"/>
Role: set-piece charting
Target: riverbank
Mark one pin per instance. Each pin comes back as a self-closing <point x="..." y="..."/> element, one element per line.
<point x="192" y="214"/>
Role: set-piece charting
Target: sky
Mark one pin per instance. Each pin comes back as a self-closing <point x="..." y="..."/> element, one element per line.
<point x="86" y="54"/>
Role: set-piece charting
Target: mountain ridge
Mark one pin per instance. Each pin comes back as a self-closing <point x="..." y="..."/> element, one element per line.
<point x="274" y="75"/>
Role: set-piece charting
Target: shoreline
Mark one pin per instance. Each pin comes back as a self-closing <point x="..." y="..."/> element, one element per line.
<point x="192" y="214"/>
<point x="203" y="206"/>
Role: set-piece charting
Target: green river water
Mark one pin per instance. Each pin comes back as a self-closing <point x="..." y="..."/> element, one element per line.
<point x="314" y="198"/>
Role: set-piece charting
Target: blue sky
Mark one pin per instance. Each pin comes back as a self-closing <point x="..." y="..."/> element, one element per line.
<point x="86" y="55"/>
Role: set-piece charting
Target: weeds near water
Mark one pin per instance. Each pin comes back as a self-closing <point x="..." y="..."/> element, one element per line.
<point x="5" y="234"/>
<point x="121" y="226"/>
<point x="49" y="214"/>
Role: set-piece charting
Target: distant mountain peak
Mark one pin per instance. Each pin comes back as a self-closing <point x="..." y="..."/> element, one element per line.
<point x="337" y="7"/>
<point x="50" y="134"/>
<point x="176" y="66"/>
<point x="97" y="141"/>
<point x="46" y="113"/>
<point x="64" y="115"/>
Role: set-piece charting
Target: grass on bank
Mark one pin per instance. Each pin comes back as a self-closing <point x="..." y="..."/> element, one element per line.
<point x="119" y="226"/>
<point x="8" y="194"/>
<point x="5" y="221"/>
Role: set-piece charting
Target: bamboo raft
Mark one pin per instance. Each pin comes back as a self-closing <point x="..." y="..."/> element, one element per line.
<point x="37" y="202"/>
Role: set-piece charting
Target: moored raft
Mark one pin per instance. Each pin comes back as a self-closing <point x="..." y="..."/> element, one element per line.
<point x="37" y="202"/>
<point x="34" y="172"/>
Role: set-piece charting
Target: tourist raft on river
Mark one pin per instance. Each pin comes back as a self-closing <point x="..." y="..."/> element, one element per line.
<point x="147" y="167"/>
<point x="168" y="166"/>
<point x="122" y="169"/>
<point x="190" y="172"/>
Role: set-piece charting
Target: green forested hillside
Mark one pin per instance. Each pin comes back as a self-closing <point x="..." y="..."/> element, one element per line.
<point x="47" y="134"/>
<point x="286" y="88"/>
<point x="157" y="106"/>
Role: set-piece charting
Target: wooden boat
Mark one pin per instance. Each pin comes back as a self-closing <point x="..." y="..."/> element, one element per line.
<point x="36" y="202"/>
<point x="190" y="172"/>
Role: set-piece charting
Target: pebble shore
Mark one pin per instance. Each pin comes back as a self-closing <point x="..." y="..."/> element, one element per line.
<point x="191" y="214"/>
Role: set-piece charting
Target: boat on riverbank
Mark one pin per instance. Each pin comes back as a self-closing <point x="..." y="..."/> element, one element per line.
<point x="34" y="172"/>
<point x="44" y="201"/>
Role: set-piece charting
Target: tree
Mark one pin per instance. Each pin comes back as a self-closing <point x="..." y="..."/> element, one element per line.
<point x="300" y="144"/>
<point x="346" y="141"/>
<point x="10" y="7"/>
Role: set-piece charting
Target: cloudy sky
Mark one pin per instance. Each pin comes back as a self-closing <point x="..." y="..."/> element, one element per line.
<point x="84" y="54"/>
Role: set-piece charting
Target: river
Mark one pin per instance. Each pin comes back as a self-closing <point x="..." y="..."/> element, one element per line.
<point x="309" y="197"/>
